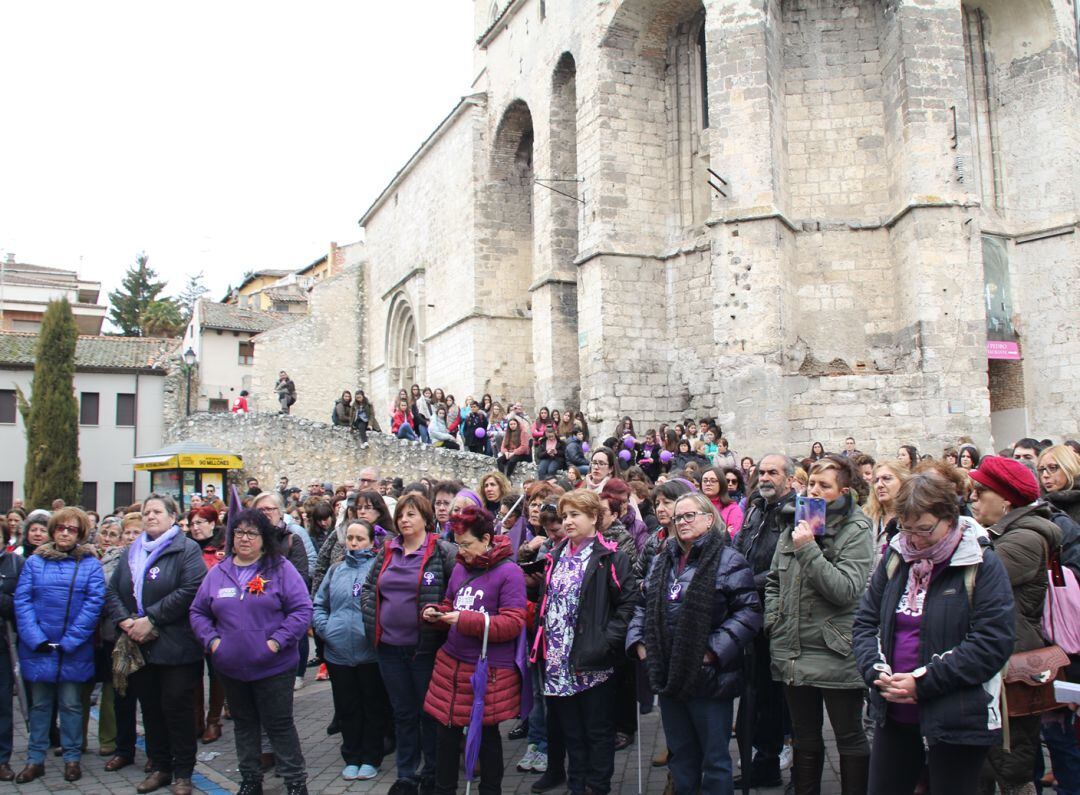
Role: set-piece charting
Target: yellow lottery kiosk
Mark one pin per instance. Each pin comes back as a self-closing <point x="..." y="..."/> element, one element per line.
<point x="187" y="468"/>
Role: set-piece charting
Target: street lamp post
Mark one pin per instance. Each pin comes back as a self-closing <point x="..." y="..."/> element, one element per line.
<point x="189" y="362"/>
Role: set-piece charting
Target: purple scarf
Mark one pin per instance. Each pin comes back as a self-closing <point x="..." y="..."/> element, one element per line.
<point x="141" y="556"/>
<point x="923" y="561"/>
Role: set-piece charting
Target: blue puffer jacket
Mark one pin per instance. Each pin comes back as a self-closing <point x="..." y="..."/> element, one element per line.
<point x="41" y="604"/>
<point x="337" y="618"/>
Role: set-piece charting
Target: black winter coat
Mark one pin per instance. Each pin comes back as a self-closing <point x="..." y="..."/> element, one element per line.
<point x="291" y="547"/>
<point x="1067" y="501"/>
<point x="609" y="592"/>
<point x="736" y="616"/>
<point x="962" y="646"/>
<point x="167" y="600"/>
<point x="10" y="566"/>
<point x="440" y="557"/>
<point x="761" y="530"/>
<point x="558" y="456"/>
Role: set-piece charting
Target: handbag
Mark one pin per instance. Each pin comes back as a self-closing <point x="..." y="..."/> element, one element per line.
<point x="1030" y="675"/>
<point x="1029" y="680"/>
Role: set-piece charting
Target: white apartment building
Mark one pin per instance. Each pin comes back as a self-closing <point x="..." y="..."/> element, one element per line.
<point x="119" y="382"/>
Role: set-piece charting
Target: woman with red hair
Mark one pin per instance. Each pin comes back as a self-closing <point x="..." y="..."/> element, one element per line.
<point x="485" y="582"/>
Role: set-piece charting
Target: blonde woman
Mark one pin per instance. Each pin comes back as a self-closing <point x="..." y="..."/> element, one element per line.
<point x="493" y="487"/>
<point x="885" y="483"/>
<point x="1059" y="479"/>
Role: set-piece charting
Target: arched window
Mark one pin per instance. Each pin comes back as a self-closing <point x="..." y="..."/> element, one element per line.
<point x="403" y="344"/>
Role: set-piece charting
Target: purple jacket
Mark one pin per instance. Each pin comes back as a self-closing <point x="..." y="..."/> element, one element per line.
<point x="225" y="608"/>
<point x="487" y="590"/>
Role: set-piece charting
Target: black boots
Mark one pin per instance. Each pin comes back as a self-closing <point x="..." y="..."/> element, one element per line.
<point x="806" y="770"/>
<point x="854" y="775"/>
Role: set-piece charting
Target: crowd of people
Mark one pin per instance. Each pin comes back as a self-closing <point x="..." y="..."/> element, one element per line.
<point x="907" y="598"/>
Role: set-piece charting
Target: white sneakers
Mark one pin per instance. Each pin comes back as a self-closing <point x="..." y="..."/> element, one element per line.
<point x="299" y="684"/>
<point x="359" y="772"/>
<point x="785" y="758"/>
<point x="533" y="761"/>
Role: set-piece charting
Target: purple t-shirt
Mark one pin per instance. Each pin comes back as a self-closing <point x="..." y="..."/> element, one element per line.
<point x="399" y="596"/>
<point x="905" y="654"/>
<point x="502" y="586"/>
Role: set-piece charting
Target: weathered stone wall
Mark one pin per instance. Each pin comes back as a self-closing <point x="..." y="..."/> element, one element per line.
<point x="836" y="285"/>
<point x="273" y="445"/>
<point x="323" y="351"/>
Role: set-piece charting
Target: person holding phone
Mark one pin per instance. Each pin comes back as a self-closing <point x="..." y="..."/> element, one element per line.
<point x="812" y="592"/>
<point x="485" y="582"/>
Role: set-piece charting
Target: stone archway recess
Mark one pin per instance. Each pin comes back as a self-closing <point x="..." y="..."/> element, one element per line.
<point x="402" y="345"/>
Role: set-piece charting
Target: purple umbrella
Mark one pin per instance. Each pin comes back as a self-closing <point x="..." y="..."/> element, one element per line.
<point x="476" y="719"/>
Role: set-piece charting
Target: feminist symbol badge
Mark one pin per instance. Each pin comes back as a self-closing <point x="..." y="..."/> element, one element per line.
<point x="356" y="588"/>
<point x="154" y="573"/>
<point x="673" y="593"/>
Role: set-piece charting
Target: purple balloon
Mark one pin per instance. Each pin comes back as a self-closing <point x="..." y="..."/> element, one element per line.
<point x="629" y="442"/>
<point x="584" y="447"/>
<point x="666" y="456"/>
<point x="624" y="455"/>
<point x="481" y="433"/>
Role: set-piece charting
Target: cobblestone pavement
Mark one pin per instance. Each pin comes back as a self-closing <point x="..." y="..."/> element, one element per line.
<point x="313" y="711"/>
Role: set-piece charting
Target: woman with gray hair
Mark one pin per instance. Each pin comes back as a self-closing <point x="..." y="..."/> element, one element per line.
<point x="699" y="610"/>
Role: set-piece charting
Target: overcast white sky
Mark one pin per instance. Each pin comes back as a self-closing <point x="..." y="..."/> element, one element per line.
<point x="220" y="137"/>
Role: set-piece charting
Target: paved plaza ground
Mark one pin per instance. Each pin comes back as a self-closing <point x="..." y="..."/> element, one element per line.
<point x="313" y="710"/>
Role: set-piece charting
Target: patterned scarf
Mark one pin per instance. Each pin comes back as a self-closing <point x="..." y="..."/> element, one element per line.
<point x="922" y="562"/>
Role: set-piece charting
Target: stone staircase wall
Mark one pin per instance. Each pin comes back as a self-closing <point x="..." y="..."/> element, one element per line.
<point x="273" y="445"/>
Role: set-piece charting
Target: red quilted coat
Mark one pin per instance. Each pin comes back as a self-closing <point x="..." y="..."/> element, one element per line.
<point x="450" y="693"/>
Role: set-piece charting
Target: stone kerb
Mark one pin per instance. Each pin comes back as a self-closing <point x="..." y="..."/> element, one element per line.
<point x="273" y="445"/>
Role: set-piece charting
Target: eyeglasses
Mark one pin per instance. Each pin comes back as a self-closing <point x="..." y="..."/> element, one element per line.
<point x="920" y="531"/>
<point x="1053" y="469"/>
<point x="246" y="534"/>
<point x="689" y="516"/>
<point x="443" y="503"/>
<point x="67" y="528"/>
<point x="269" y="509"/>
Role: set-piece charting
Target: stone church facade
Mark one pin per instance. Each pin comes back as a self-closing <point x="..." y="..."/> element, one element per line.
<point x="795" y="215"/>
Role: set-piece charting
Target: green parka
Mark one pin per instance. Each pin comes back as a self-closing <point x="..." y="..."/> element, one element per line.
<point x="811" y="596"/>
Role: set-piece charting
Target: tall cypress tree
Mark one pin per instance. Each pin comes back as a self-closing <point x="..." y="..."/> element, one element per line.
<point x="52" y="423"/>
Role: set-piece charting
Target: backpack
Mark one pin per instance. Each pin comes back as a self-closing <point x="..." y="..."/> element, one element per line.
<point x="892" y="565"/>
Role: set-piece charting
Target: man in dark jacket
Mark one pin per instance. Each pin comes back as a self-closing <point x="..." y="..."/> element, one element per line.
<point x="770" y="512"/>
